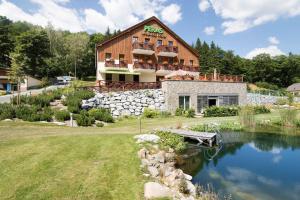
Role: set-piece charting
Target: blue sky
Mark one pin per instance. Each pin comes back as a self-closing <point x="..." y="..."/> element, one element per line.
<point x="246" y="27"/>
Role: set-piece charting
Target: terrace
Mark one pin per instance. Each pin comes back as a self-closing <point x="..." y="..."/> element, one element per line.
<point x="121" y="64"/>
<point x="168" y="51"/>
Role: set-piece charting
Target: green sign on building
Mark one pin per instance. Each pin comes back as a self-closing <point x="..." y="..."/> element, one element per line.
<point x="152" y="29"/>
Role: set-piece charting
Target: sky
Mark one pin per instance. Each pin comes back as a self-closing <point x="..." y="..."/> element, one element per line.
<point x="248" y="27"/>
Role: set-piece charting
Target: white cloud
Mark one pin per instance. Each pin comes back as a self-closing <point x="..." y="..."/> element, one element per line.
<point x="273" y="40"/>
<point x="116" y="14"/>
<point x="240" y="15"/>
<point x="203" y="5"/>
<point x="171" y="14"/>
<point x="272" y="50"/>
<point x="209" y="30"/>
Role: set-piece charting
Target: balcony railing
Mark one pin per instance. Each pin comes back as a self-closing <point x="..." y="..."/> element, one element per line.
<point x="166" y="48"/>
<point x="140" y="65"/>
<point x="171" y="67"/>
<point x="221" y="77"/>
<point x="143" y="45"/>
<point x="111" y="63"/>
<point x="109" y="86"/>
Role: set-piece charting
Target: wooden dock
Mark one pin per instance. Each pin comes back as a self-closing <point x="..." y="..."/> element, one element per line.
<point x="204" y="138"/>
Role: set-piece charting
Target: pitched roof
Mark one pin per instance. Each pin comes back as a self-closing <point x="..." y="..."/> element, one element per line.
<point x="294" y="87"/>
<point x="153" y="18"/>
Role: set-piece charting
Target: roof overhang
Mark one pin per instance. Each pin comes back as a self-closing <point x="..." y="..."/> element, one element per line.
<point x="119" y="72"/>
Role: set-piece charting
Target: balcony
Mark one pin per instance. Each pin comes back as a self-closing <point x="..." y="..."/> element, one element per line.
<point x="144" y="67"/>
<point x="167" y="51"/>
<point x="143" y="48"/>
<point x="221" y="78"/>
<point x="164" y="69"/>
<point x="116" y="65"/>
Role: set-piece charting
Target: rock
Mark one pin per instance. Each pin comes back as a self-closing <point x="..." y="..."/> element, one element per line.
<point x="188" y="177"/>
<point x="153" y="171"/>
<point x="116" y="113"/>
<point x="147" y="138"/>
<point x="142" y="153"/>
<point x="125" y="112"/>
<point x="170" y="157"/>
<point x="156" y="190"/>
<point x="7" y="120"/>
<point x="145" y="162"/>
<point x="146" y="175"/>
<point x="160" y="157"/>
<point x="59" y="123"/>
<point x="191" y="188"/>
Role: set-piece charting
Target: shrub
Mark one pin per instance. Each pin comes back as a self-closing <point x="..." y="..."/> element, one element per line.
<point x="261" y="109"/>
<point x="46" y="114"/>
<point x="74" y="100"/>
<point x="83" y="119"/>
<point x="220" y="111"/>
<point x="281" y="101"/>
<point x="99" y="124"/>
<point x="183" y="187"/>
<point x="101" y="115"/>
<point x="288" y="117"/>
<point x="73" y="105"/>
<point x="26" y="113"/>
<point x="62" y="115"/>
<point x="189" y="113"/>
<point x="290" y="98"/>
<point x="164" y="114"/>
<point x="7" y="111"/>
<point x="179" y="111"/>
<point x="170" y="140"/>
<point x="246" y="116"/>
<point x="150" y="113"/>
<point x="267" y="85"/>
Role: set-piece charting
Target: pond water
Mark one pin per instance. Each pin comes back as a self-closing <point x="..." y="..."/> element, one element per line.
<point x="251" y="166"/>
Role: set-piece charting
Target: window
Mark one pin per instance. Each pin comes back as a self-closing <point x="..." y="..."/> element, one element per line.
<point x="147" y="40"/>
<point x="170" y="43"/>
<point x="136" y="78"/>
<point x="107" y="56"/>
<point x="181" y="62"/>
<point x="228" y="100"/>
<point x="191" y="62"/>
<point x="135" y="39"/>
<point x="202" y="102"/>
<point x="171" y="60"/>
<point x="122" y="77"/>
<point x="184" y="102"/>
<point x="108" y="77"/>
<point x="159" y="43"/>
<point x="121" y="57"/>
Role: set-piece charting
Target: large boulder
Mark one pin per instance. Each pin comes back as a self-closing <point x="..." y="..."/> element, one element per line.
<point x="147" y="138"/>
<point x="153" y="171"/>
<point x="156" y="190"/>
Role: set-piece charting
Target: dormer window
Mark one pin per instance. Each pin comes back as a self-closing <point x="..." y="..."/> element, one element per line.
<point x="135" y="39"/>
<point x="170" y="43"/>
<point x="107" y="56"/>
<point x="147" y="40"/>
<point x="159" y="43"/>
<point x="191" y="62"/>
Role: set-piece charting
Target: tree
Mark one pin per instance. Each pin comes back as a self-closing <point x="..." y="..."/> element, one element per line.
<point x="76" y="45"/>
<point x="6" y="44"/>
<point x="34" y="49"/>
<point x="16" y="74"/>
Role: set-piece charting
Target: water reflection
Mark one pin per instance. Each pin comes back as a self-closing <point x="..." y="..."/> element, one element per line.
<point x="251" y="166"/>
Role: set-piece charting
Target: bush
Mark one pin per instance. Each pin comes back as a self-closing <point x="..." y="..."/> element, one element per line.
<point x="83" y="119"/>
<point x="179" y="111"/>
<point x="220" y="111"/>
<point x="165" y="114"/>
<point x="261" y="109"/>
<point x="73" y="105"/>
<point x="288" y="117"/>
<point x="150" y="113"/>
<point x="267" y="85"/>
<point x="189" y="113"/>
<point x="62" y="115"/>
<point x="282" y="101"/>
<point x="101" y="115"/>
<point x="74" y="100"/>
<point x="170" y="140"/>
<point x="246" y="116"/>
<point x="99" y="124"/>
<point x="7" y="111"/>
<point x="183" y="187"/>
<point x="27" y="113"/>
<point x="46" y="114"/>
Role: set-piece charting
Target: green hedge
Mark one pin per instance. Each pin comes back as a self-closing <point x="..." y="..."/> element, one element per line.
<point x="33" y="113"/>
<point x="261" y="109"/>
<point x="101" y="114"/>
<point x="74" y="100"/>
<point x="7" y="111"/>
<point x="170" y="140"/>
<point x="186" y="113"/>
<point x="221" y="111"/>
<point x="83" y="119"/>
<point x="62" y="115"/>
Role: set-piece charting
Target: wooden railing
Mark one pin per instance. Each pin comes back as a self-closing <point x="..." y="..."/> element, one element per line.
<point x="171" y="67"/>
<point x="143" y="45"/>
<point x="110" y="86"/>
<point x="111" y="63"/>
<point x="221" y="77"/>
<point x="139" y="65"/>
<point x="166" y="48"/>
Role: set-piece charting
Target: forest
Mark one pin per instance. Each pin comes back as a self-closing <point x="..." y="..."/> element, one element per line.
<point x="47" y="52"/>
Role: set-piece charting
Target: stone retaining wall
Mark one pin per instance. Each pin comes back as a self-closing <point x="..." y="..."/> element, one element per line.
<point x="128" y="102"/>
<point x="260" y="99"/>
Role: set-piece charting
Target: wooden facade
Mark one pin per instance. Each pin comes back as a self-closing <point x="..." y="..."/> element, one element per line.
<point x="137" y="48"/>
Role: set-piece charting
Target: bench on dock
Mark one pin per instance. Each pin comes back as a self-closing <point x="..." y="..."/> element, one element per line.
<point x="205" y="138"/>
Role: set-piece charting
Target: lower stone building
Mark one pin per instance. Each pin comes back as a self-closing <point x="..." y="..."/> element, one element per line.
<point x="198" y="94"/>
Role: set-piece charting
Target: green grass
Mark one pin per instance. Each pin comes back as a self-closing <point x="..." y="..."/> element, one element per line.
<point x="44" y="161"/>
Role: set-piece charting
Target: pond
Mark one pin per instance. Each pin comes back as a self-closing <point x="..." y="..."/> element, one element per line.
<point x="250" y="166"/>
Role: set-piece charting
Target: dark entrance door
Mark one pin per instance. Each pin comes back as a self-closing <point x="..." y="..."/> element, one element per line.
<point x="212" y="102"/>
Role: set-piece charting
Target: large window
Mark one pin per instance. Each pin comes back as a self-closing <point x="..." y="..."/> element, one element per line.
<point x="184" y="102"/>
<point x="136" y="78"/>
<point x="159" y="43"/>
<point x="107" y="56"/>
<point x="204" y="101"/>
<point x="147" y="40"/>
<point x="121" y="57"/>
<point x="228" y="100"/>
<point x="170" y="43"/>
<point x="108" y="77"/>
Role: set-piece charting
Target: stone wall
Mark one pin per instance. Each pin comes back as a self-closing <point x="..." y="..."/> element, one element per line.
<point x="260" y="99"/>
<point x="173" y="89"/>
<point x="127" y="103"/>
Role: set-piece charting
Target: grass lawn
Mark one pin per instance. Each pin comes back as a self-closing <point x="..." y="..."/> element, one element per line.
<point x="40" y="161"/>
